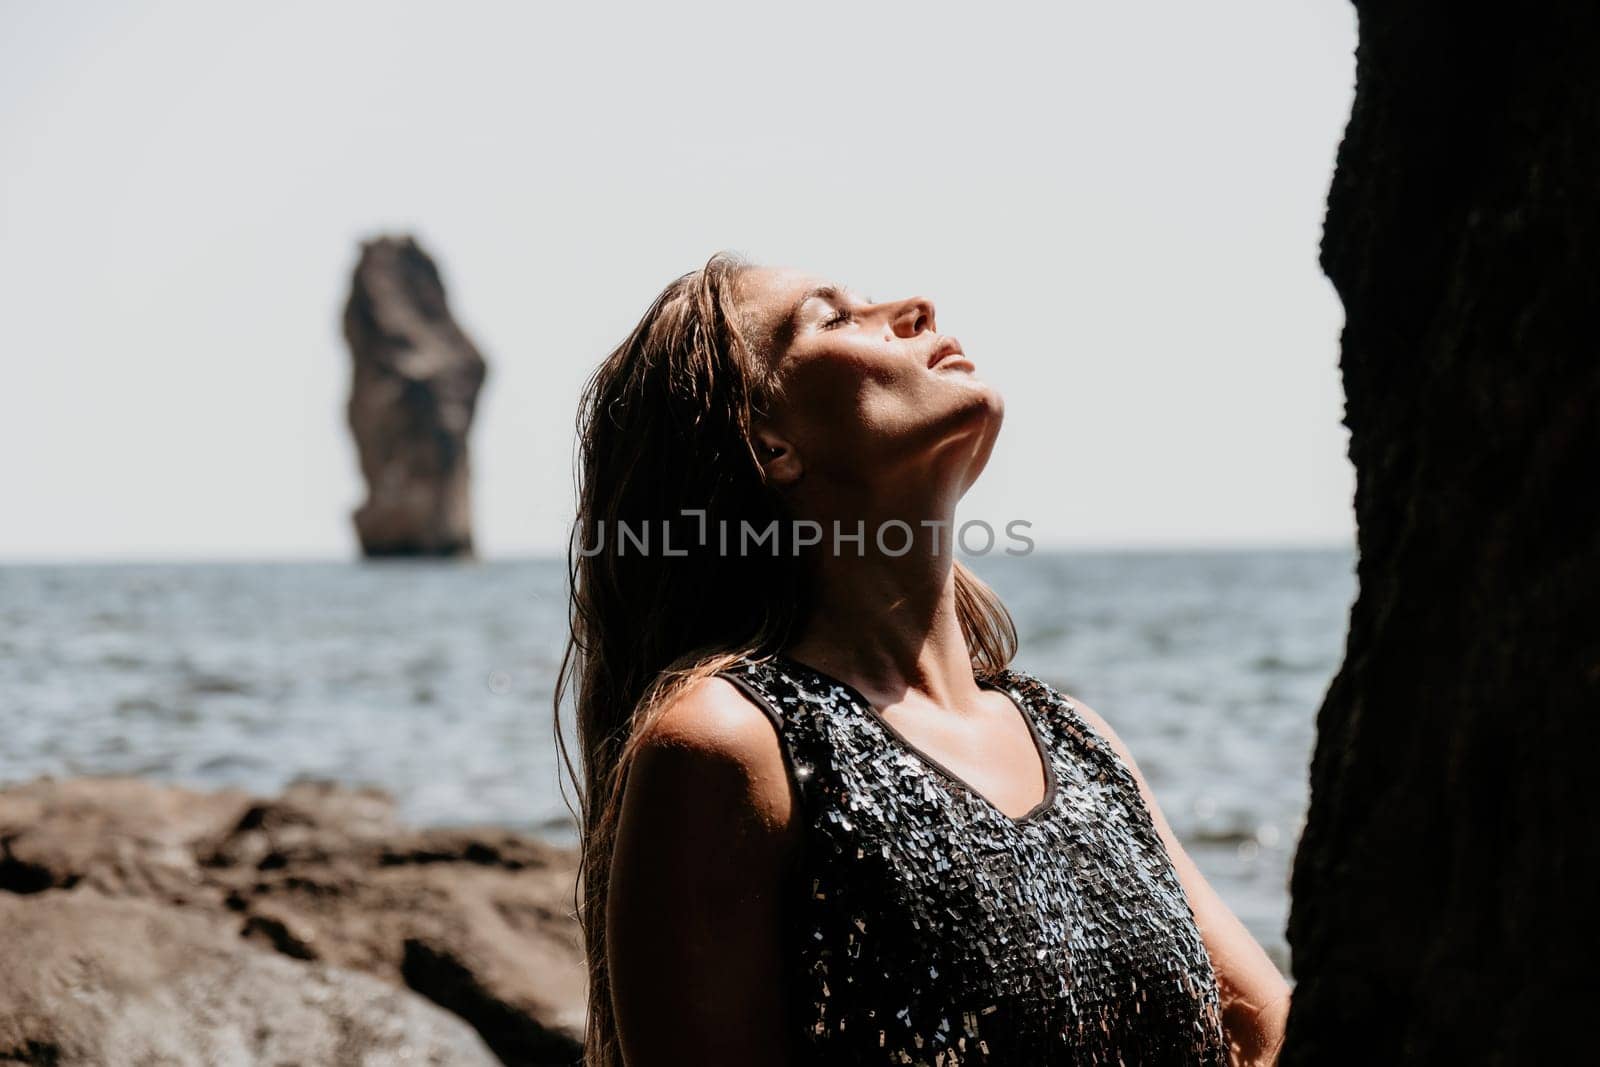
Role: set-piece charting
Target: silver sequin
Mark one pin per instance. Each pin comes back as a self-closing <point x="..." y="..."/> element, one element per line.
<point x="929" y="927"/>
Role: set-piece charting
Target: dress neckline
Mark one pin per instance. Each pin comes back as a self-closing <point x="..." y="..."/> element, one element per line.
<point x="1042" y="753"/>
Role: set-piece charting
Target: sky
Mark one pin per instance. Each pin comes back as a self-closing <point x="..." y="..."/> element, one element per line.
<point x="1116" y="207"/>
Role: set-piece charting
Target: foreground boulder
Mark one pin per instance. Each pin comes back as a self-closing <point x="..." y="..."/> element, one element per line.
<point x="90" y="979"/>
<point x="412" y="397"/>
<point x="320" y="881"/>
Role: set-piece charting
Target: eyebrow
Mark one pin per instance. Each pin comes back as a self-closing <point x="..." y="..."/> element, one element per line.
<point x="830" y="292"/>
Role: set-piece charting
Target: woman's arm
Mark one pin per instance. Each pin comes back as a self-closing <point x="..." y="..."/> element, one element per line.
<point x="1255" y="997"/>
<point x="703" y="844"/>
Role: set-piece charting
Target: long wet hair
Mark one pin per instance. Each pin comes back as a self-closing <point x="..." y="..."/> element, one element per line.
<point x="665" y="428"/>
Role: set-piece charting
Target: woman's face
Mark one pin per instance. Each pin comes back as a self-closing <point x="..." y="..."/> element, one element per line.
<point x="869" y="391"/>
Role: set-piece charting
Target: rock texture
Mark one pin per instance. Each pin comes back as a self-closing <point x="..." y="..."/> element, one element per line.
<point x="412" y="399"/>
<point x="1444" y="905"/>
<point x="90" y="979"/>
<point x="310" y="927"/>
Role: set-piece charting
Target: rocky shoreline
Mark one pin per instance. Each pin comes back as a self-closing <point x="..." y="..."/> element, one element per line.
<point x="143" y="923"/>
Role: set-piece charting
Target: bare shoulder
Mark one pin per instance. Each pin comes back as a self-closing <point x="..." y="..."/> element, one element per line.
<point x="707" y="815"/>
<point x="711" y="746"/>
<point x="704" y="847"/>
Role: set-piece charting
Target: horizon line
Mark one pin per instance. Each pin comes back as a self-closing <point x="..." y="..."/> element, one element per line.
<point x="1097" y="548"/>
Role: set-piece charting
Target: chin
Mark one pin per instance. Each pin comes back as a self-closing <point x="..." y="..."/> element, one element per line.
<point x="997" y="415"/>
<point x="990" y="405"/>
<point x="976" y="406"/>
<point x="980" y="419"/>
<point x="997" y="402"/>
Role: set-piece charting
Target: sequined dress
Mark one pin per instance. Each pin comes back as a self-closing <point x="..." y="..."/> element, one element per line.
<point x="926" y="926"/>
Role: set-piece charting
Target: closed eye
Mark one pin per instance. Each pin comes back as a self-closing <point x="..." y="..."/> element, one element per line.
<point x="838" y="318"/>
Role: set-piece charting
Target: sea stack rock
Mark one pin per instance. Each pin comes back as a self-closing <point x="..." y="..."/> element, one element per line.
<point x="412" y="398"/>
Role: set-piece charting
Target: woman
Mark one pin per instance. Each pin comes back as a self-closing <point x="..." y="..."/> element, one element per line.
<point x="823" y="820"/>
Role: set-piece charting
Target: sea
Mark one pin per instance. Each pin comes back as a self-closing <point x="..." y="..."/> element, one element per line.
<point x="434" y="681"/>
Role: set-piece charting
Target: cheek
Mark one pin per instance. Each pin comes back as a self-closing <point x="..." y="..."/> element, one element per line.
<point x="838" y="397"/>
<point x="867" y="400"/>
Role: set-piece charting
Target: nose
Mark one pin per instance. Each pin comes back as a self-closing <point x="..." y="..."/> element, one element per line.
<point x="911" y="317"/>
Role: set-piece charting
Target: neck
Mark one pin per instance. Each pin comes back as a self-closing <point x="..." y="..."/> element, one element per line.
<point x="888" y="624"/>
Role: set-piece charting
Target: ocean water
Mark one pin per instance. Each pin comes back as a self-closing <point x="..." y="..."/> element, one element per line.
<point x="434" y="680"/>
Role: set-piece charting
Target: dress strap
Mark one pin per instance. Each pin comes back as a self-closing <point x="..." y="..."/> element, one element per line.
<point x="755" y="681"/>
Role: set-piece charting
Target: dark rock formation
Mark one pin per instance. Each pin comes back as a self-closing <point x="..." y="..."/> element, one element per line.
<point x="1444" y="901"/>
<point x="315" y="890"/>
<point x="415" y="388"/>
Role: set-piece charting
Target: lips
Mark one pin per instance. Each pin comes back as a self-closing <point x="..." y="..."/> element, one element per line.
<point x="944" y="350"/>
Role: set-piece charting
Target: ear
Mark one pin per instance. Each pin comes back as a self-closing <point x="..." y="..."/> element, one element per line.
<point x="778" y="458"/>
